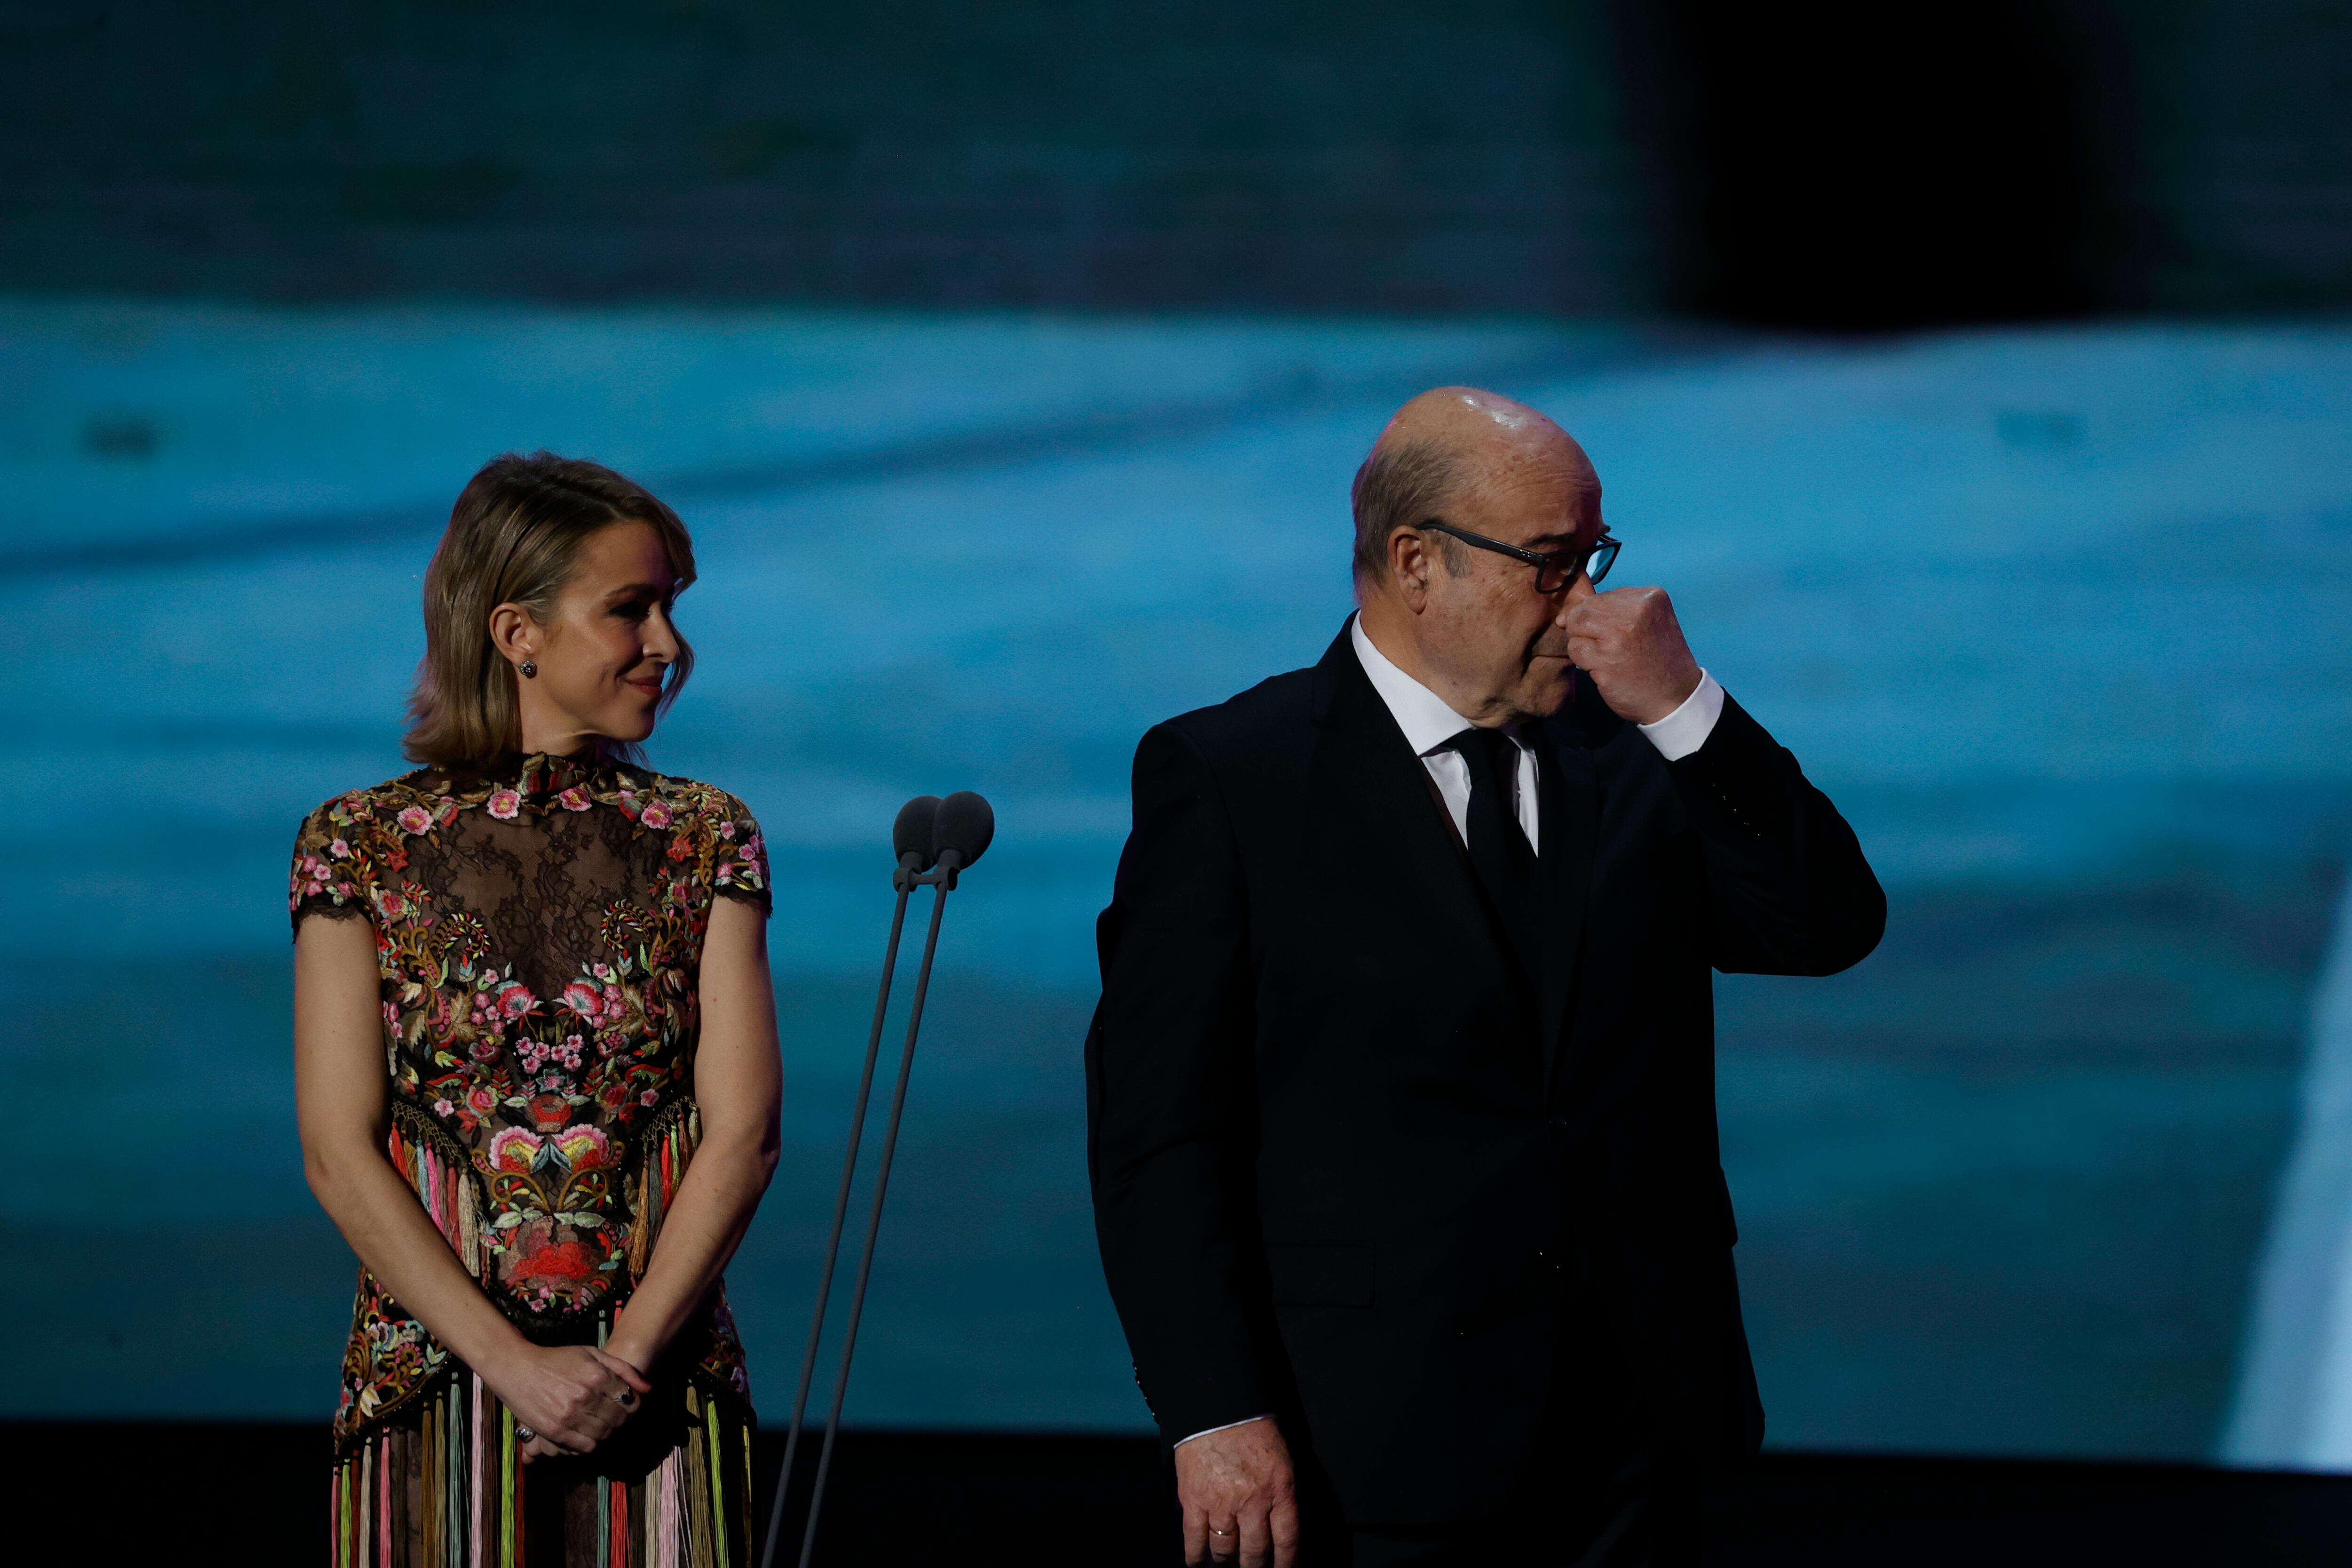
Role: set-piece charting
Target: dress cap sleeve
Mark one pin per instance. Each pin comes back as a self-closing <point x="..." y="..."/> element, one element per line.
<point x="324" y="878"/>
<point x="740" y="870"/>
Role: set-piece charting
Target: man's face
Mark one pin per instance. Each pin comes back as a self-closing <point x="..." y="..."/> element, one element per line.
<point x="1485" y="624"/>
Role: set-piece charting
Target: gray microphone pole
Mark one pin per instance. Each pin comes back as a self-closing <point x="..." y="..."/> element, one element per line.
<point x="910" y="841"/>
<point x="961" y="827"/>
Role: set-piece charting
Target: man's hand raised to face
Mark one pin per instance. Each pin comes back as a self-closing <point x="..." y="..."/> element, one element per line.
<point x="1630" y="643"/>
<point x="1240" y="1503"/>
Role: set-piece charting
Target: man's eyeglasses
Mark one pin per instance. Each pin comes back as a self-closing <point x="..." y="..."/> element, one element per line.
<point x="1556" y="569"/>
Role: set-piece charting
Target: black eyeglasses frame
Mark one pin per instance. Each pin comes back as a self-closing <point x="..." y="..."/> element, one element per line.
<point x="1570" y="562"/>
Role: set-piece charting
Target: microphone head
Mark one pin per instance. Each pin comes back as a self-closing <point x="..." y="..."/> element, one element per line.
<point x="965" y="825"/>
<point x="912" y="833"/>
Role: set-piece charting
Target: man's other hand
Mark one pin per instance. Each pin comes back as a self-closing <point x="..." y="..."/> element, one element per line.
<point x="1629" y="642"/>
<point x="1239" y="1502"/>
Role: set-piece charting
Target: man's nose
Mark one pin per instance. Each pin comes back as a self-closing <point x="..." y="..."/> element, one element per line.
<point x="1578" y="592"/>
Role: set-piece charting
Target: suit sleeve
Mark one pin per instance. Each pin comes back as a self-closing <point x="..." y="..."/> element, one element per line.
<point x="1788" y="890"/>
<point x="1168" y="1080"/>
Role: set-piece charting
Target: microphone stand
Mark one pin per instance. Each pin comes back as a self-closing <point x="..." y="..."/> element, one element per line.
<point x="934" y="840"/>
<point x="904" y="879"/>
<point x="942" y="881"/>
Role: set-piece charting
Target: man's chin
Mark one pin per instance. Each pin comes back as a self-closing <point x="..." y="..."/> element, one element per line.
<point x="1545" y="693"/>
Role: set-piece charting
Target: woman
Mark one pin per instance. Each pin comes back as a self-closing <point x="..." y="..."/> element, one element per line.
<point x="536" y="1064"/>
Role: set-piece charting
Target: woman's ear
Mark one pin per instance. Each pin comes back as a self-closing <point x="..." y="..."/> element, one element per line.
<point x="514" y="633"/>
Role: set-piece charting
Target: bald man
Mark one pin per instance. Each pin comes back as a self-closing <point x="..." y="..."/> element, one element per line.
<point x="1400" y="1094"/>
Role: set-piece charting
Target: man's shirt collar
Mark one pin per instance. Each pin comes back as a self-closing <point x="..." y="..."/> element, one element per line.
<point x="1423" y="716"/>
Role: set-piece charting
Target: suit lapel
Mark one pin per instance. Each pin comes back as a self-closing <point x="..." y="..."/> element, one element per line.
<point x="1570" y="823"/>
<point x="1372" y="798"/>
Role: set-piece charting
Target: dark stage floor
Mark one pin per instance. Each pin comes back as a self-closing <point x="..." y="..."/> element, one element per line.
<point x="194" y="1493"/>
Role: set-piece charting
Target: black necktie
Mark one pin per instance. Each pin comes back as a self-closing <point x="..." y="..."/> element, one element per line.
<point x="1499" y="851"/>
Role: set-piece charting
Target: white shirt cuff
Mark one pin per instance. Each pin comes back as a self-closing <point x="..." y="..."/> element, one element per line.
<point x="1226" y="1428"/>
<point x="1686" y="730"/>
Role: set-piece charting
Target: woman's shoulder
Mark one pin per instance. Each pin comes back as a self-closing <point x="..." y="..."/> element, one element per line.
<point x="683" y="796"/>
<point x="381" y="800"/>
<point x="349" y="847"/>
<point x="430" y="790"/>
<point x="709" y="827"/>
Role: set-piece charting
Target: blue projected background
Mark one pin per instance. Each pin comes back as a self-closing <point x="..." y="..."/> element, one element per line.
<point x="2061" y="618"/>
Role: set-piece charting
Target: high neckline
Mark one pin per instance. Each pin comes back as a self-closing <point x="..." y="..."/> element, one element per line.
<point x="535" y="774"/>
<point x="543" y="773"/>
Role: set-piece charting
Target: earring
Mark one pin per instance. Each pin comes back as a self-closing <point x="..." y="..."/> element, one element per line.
<point x="528" y="669"/>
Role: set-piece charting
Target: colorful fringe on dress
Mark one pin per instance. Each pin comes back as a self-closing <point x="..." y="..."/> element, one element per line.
<point x="436" y="1479"/>
<point x="444" y="1487"/>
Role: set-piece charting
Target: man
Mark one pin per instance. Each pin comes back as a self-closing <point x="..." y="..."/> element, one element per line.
<point x="1401" y="1092"/>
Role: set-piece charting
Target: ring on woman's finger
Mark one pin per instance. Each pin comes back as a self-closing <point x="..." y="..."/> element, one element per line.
<point x="626" y="1399"/>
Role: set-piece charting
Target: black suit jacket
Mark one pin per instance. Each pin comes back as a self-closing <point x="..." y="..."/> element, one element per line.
<point x="1349" y="1156"/>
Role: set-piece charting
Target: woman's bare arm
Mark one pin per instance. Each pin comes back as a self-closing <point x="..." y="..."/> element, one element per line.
<point x="739" y="1090"/>
<point x="571" y="1394"/>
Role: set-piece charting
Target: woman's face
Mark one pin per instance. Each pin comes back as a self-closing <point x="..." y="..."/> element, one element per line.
<point x="606" y="647"/>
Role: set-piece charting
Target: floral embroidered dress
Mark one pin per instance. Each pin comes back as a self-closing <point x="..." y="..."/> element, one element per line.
<point x="539" y="930"/>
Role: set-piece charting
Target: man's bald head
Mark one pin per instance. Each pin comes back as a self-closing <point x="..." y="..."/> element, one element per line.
<point x="1447" y="441"/>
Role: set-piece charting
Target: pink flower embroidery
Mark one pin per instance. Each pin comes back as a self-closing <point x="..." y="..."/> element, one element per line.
<point x="505" y="804"/>
<point x="575" y="799"/>
<point x="515" y="999"/>
<point x="656" y="814"/>
<point x="584" y="1147"/>
<point x="416" y="819"/>
<point x="583" y="998"/>
<point x="513" y="1149"/>
<point x="312" y="877"/>
<point x="340" y="850"/>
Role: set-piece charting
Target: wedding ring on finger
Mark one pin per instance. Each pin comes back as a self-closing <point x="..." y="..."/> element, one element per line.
<point x="525" y="1434"/>
<point x="626" y="1399"/>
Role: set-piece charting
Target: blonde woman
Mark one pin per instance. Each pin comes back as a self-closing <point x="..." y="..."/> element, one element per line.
<point x="536" y="1064"/>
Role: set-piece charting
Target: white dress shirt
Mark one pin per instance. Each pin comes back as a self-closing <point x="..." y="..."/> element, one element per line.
<point x="1428" y="724"/>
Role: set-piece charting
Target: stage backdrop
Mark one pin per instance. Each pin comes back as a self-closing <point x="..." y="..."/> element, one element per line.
<point x="2062" y="618"/>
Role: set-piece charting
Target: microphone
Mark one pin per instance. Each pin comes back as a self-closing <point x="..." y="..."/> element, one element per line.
<point x="912" y="836"/>
<point x="962" y="832"/>
<point x="933" y="839"/>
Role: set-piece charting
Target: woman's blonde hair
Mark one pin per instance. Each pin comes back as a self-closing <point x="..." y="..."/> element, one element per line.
<point x="514" y="537"/>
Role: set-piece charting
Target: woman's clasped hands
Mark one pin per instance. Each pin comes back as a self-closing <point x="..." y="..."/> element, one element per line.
<point x="566" y="1399"/>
